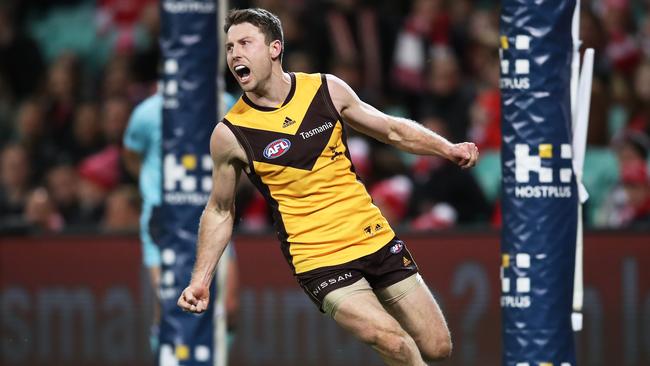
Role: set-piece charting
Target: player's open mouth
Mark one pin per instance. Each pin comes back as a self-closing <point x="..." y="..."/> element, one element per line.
<point x="243" y="72"/>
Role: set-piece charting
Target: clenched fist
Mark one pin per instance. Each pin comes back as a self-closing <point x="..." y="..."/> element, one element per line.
<point x="464" y="154"/>
<point x="194" y="299"/>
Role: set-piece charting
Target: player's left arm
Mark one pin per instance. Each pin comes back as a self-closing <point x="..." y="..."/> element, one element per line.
<point x="402" y="133"/>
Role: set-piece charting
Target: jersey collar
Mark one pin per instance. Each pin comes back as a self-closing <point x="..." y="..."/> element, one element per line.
<point x="292" y="91"/>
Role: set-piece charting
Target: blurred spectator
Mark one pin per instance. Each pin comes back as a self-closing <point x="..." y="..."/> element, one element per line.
<point x="115" y="117"/>
<point x="633" y="146"/>
<point x="644" y="35"/>
<point x="488" y="74"/>
<point x="439" y="216"/>
<point x="144" y="65"/>
<point x="122" y="211"/>
<point x="608" y="107"/>
<point x="592" y="34"/>
<point x="299" y="61"/>
<point x="62" y="94"/>
<point x="386" y="162"/>
<point x="99" y="174"/>
<point x="41" y="213"/>
<point x="349" y="32"/>
<point x="116" y="78"/>
<point x="118" y="18"/>
<point x="622" y="49"/>
<point x="34" y="135"/>
<point x="628" y="204"/>
<point x="360" y="154"/>
<point x="15" y="173"/>
<point x="641" y="112"/>
<point x="440" y="56"/>
<point x="141" y="155"/>
<point x="443" y="194"/>
<point x="619" y="106"/>
<point x="485" y="117"/>
<point x="426" y="26"/>
<point x="6" y="112"/>
<point x="121" y="13"/>
<point x="274" y="6"/>
<point x="485" y="112"/>
<point x="251" y="210"/>
<point x="460" y="14"/>
<point x="598" y="133"/>
<point x="448" y="98"/>
<point x="442" y="182"/>
<point x="482" y="41"/>
<point x="392" y="197"/>
<point x="149" y="21"/>
<point x="63" y="188"/>
<point x="349" y="72"/>
<point x="21" y="63"/>
<point x="87" y="132"/>
<point x="293" y="30"/>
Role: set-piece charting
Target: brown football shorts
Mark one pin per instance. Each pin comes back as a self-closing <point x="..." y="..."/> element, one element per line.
<point x="390" y="264"/>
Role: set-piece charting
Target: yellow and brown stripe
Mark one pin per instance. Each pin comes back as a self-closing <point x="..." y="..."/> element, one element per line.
<point x="299" y="160"/>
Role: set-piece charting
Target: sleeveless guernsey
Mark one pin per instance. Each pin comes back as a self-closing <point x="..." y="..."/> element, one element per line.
<point x="299" y="160"/>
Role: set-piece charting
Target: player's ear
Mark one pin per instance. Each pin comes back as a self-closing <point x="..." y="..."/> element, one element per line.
<point x="275" y="49"/>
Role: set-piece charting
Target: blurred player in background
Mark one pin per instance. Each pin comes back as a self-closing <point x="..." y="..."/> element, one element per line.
<point x="287" y="133"/>
<point x="142" y="158"/>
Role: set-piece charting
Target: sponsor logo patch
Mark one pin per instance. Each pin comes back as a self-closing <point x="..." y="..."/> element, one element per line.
<point x="188" y="178"/>
<point x="336" y="153"/>
<point x="396" y="248"/>
<point x="287" y="122"/>
<point x="516" y="285"/>
<point x="516" y="74"/>
<point x="330" y="282"/>
<point x="315" y="131"/>
<point x="277" y="148"/>
<point x="542" y="166"/>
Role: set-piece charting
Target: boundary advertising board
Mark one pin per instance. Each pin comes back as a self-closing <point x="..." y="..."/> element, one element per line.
<point x="80" y="301"/>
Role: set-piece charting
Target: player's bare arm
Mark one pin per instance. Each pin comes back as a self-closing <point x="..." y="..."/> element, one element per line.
<point x="132" y="161"/>
<point x="215" y="228"/>
<point x="402" y="133"/>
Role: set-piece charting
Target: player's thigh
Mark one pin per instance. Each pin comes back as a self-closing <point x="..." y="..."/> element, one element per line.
<point x="417" y="311"/>
<point x="361" y="313"/>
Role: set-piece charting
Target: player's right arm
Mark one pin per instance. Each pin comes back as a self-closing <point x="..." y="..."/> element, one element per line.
<point x="137" y="137"/>
<point x="215" y="228"/>
<point x="132" y="161"/>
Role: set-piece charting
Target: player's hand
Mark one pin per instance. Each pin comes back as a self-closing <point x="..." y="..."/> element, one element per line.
<point x="194" y="299"/>
<point x="464" y="154"/>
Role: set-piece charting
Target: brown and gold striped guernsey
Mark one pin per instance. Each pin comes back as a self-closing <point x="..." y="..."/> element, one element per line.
<point x="299" y="160"/>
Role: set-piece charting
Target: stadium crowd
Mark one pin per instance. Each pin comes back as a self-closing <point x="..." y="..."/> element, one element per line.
<point x="71" y="73"/>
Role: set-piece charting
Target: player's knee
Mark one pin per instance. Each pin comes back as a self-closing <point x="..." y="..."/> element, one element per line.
<point x="395" y="344"/>
<point x="388" y="340"/>
<point x="437" y="350"/>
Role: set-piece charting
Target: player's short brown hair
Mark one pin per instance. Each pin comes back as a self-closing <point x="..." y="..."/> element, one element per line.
<point x="268" y="23"/>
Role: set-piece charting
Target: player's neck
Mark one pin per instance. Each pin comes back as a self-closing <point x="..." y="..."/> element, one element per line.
<point x="274" y="91"/>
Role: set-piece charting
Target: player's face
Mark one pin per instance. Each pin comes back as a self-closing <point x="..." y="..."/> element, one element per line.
<point x="248" y="56"/>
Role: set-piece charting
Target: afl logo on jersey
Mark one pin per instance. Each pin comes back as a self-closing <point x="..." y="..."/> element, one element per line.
<point x="277" y="148"/>
<point x="396" y="248"/>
